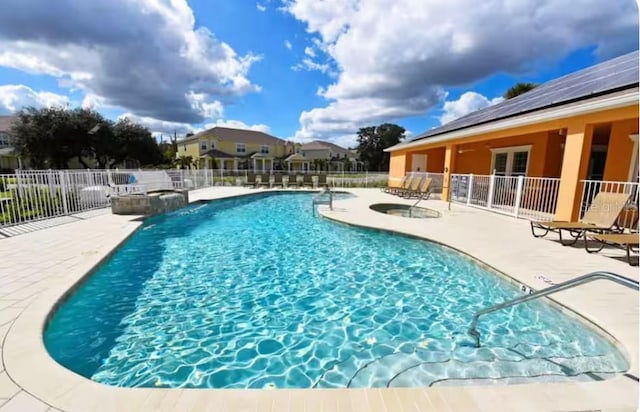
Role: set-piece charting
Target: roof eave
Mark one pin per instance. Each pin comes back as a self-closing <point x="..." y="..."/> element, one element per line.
<point x="560" y="112"/>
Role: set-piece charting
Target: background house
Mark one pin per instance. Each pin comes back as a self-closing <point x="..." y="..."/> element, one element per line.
<point x="226" y="148"/>
<point x="9" y="160"/>
<point x="328" y="156"/>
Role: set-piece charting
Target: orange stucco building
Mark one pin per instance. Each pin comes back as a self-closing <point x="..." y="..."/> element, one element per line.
<point x="580" y="128"/>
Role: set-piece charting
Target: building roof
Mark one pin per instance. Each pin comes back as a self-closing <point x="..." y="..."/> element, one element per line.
<point x="6" y="122"/>
<point x="324" y="145"/>
<point x="602" y="79"/>
<point x="217" y="154"/>
<point x="237" y="136"/>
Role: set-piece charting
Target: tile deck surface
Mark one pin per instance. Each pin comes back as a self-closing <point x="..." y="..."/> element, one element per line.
<point x="41" y="266"/>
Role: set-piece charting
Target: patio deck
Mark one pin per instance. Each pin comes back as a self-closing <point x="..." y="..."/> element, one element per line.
<point x="39" y="267"/>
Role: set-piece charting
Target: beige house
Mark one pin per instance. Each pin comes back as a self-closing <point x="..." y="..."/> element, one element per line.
<point x="226" y="148"/>
<point x="9" y="160"/>
<point x="332" y="154"/>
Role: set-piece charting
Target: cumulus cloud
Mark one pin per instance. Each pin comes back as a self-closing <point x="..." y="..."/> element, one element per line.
<point x="14" y="97"/>
<point x="398" y="57"/>
<point x="157" y="126"/>
<point x="261" y="7"/>
<point x="288" y="44"/>
<point x="145" y="56"/>
<point x="467" y="103"/>
<point x="237" y="124"/>
<point x="309" y="65"/>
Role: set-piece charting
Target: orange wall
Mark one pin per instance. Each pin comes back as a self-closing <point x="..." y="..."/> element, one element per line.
<point x="620" y="150"/>
<point x="476" y="157"/>
<point x="435" y="159"/>
<point x="553" y="157"/>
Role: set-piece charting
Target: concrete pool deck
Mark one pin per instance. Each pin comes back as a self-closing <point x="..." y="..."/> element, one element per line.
<point x="40" y="267"/>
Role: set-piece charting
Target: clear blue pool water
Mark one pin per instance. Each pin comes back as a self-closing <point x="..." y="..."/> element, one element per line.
<point x="258" y="292"/>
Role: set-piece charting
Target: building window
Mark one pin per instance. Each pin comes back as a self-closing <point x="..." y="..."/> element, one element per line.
<point x="203" y="145"/>
<point x="212" y="144"/>
<point x="510" y="161"/>
<point x="264" y="149"/>
<point x="241" y="148"/>
<point x="4" y="139"/>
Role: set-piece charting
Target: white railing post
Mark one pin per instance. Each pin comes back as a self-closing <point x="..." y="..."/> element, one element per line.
<point x="519" y="188"/>
<point x="492" y="182"/>
<point x="470" y="188"/>
<point x="63" y="192"/>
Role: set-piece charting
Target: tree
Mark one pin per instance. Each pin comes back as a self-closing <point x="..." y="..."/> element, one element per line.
<point x="373" y="140"/>
<point x="518" y="89"/>
<point x="51" y="137"/>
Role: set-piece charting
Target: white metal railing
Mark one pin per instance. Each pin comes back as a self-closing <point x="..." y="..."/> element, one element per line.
<point x="31" y="195"/>
<point x="629" y="217"/>
<point x="519" y="196"/>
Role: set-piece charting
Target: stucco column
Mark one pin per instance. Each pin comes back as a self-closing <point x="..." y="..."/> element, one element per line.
<point x="235" y="164"/>
<point x="254" y="164"/>
<point x="575" y="164"/>
<point x="450" y="154"/>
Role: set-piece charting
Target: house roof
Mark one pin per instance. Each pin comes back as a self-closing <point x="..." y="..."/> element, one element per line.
<point x="237" y="136"/>
<point x="217" y="154"/>
<point x="295" y="157"/>
<point x="6" y="122"/>
<point x="600" y="80"/>
<point x="324" y="145"/>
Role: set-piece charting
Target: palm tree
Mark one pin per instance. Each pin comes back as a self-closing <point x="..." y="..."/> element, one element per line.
<point x="519" y="88"/>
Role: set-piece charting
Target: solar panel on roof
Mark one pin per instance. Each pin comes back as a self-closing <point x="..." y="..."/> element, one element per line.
<point x="607" y="76"/>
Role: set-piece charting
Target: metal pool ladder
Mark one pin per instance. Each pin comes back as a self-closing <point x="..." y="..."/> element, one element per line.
<point x="590" y="277"/>
<point x="317" y="199"/>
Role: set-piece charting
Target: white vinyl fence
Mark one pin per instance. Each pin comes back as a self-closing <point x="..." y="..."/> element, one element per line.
<point x="518" y="196"/>
<point x="31" y="195"/>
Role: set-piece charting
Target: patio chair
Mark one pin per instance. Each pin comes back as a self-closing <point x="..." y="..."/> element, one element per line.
<point x="251" y="180"/>
<point x="414" y="185"/>
<point x="307" y="181"/>
<point x="322" y="180"/>
<point x="277" y="180"/>
<point x="293" y="182"/>
<point x="601" y="216"/>
<point x="265" y="181"/>
<point x="423" y="192"/>
<point x="627" y="241"/>
<point x="388" y="189"/>
<point x="257" y="182"/>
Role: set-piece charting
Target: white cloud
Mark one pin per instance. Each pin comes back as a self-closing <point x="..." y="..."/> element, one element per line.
<point x="288" y="44"/>
<point x="145" y="56"/>
<point x="309" y="52"/>
<point x="397" y="57"/>
<point x="157" y="126"/>
<point x="309" y="65"/>
<point x="261" y="7"/>
<point x="14" y="97"/>
<point x="467" y="103"/>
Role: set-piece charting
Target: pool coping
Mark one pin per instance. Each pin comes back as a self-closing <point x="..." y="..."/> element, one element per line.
<point x="29" y="364"/>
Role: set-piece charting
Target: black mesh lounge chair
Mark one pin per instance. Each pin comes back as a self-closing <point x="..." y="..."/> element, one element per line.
<point x="264" y="181"/>
<point x="307" y="181"/>
<point x="251" y="180"/>
<point x="292" y="181"/>
<point x="277" y="180"/>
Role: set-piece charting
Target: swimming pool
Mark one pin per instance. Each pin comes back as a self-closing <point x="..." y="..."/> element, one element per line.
<point x="257" y="292"/>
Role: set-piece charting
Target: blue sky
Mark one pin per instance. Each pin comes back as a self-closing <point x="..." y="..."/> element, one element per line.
<point x="298" y="69"/>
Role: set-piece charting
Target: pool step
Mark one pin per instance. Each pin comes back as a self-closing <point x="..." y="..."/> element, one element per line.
<point x="466" y="366"/>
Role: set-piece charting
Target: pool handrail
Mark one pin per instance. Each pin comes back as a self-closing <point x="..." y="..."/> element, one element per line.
<point x="547" y="291"/>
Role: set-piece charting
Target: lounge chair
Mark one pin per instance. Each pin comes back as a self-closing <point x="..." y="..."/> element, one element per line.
<point x="292" y="181"/>
<point x="307" y="181"/>
<point x="251" y="180"/>
<point x="389" y="189"/>
<point x="423" y="192"/>
<point x="265" y="180"/>
<point x="277" y="180"/>
<point x="601" y="217"/>
<point x="627" y="241"/>
<point x="414" y="185"/>
<point x="322" y="180"/>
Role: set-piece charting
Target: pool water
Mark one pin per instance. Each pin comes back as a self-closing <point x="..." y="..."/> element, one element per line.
<point x="258" y="292"/>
